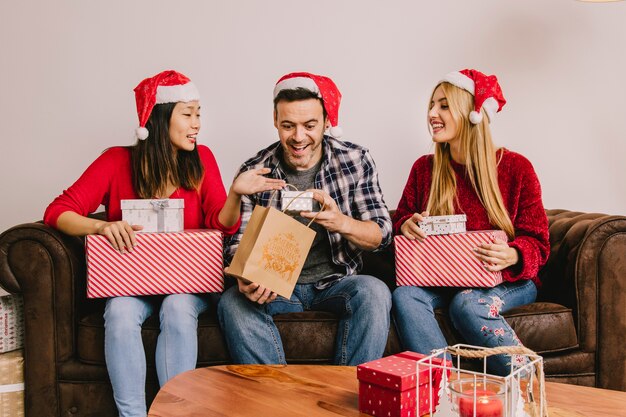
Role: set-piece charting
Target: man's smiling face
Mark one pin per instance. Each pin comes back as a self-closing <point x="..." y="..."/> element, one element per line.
<point x="301" y="127"/>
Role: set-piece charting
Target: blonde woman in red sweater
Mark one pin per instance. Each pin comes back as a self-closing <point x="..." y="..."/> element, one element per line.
<point x="496" y="189"/>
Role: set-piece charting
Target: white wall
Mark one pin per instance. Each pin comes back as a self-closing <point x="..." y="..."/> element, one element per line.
<point x="69" y="67"/>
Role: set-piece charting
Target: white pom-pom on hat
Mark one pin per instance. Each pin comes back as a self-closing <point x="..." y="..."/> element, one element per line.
<point x="141" y="133"/>
<point x="475" y="117"/>
<point x="336" y="132"/>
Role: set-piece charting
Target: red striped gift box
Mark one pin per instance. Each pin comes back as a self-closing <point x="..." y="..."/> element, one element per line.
<point x="162" y="263"/>
<point x="445" y="260"/>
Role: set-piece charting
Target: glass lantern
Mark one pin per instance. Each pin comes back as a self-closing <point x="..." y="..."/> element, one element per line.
<point x="466" y="389"/>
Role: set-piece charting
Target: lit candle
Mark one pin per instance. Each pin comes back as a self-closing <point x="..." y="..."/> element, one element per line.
<point x="487" y="404"/>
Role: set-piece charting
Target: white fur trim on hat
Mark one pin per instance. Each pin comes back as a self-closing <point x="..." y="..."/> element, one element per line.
<point x="459" y="80"/>
<point x="175" y="93"/>
<point x="295" y="83"/>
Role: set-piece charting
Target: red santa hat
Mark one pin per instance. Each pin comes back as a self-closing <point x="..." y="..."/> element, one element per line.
<point x="325" y="89"/>
<point x="485" y="89"/>
<point x="165" y="87"/>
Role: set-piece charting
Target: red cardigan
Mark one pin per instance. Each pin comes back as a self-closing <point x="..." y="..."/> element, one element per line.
<point x="521" y="192"/>
<point x="108" y="180"/>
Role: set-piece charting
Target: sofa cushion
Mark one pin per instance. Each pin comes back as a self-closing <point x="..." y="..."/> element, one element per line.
<point x="542" y="327"/>
<point x="531" y="322"/>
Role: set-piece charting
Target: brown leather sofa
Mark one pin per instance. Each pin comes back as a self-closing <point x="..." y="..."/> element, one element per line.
<point x="578" y="324"/>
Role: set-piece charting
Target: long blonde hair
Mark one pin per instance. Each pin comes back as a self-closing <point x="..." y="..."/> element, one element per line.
<point x="480" y="159"/>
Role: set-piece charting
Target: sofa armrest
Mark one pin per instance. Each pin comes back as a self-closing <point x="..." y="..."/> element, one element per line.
<point x="47" y="267"/>
<point x="587" y="272"/>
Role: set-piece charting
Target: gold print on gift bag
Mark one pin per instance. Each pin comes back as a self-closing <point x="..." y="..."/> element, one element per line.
<point x="281" y="254"/>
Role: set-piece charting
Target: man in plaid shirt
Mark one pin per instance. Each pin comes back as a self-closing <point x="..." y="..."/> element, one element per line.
<point x="354" y="219"/>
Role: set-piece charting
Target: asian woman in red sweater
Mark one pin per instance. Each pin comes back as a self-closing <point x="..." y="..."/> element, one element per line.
<point x="166" y="162"/>
<point x="496" y="189"/>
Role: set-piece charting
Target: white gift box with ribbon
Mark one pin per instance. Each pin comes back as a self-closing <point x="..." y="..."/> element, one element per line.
<point x="296" y="201"/>
<point x="443" y="225"/>
<point x="156" y="215"/>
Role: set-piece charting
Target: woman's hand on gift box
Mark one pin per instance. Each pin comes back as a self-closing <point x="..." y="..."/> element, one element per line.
<point x="411" y="230"/>
<point x="253" y="181"/>
<point x="120" y="234"/>
<point x="497" y="255"/>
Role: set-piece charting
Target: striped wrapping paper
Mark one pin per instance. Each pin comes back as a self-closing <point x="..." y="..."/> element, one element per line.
<point x="445" y="260"/>
<point x="162" y="263"/>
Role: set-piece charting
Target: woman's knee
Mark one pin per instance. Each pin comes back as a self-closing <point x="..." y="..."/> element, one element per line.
<point x="125" y="314"/>
<point x="412" y="297"/>
<point x="473" y="305"/>
<point x="180" y="308"/>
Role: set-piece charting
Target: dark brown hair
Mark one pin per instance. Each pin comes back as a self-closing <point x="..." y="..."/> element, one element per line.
<point x="297" y="94"/>
<point x="155" y="162"/>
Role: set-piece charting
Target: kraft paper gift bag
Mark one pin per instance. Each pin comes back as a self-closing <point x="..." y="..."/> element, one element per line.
<point x="272" y="250"/>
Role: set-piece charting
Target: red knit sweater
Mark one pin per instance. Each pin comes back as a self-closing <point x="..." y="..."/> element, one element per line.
<point x="521" y="192"/>
<point x="108" y="180"/>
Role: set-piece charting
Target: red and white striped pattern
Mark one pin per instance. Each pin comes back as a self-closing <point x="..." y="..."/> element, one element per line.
<point x="445" y="260"/>
<point x="162" y="263"/>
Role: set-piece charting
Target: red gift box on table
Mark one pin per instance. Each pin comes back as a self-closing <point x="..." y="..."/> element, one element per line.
<point x="445" y="260"/>
<point x="162" y="263"/>
<point x="387" y="386"/>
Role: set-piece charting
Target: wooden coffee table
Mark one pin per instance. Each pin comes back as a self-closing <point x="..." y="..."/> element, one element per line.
<point x="319" y="390"/>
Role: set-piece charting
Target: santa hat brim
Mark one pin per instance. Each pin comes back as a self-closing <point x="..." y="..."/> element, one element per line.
<point x="175" y="93"/>
<point x="295" y="83"/>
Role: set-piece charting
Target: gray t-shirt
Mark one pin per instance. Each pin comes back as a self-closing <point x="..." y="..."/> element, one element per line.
<point x="319" y="263"/>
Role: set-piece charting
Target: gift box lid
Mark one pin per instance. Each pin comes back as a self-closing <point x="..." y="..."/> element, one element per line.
<point x="397" y="372"/>
<point x="296" y="194"/>
<point x="152" y="204"/>
<point x="455" y="218"/>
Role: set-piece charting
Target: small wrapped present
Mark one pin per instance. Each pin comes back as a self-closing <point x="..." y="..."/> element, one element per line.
<point x="165" y="215"/>
<point x="162" y="263"/>
<point x="11" y="323"/>
<point x="12" y="384"/>
<point x="443" y="225"/>
<point x="388" y="386"/>
<point x="296" y="201"/>
<point x="445" y="260"/>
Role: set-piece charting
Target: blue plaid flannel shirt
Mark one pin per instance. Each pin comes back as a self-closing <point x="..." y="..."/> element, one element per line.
<point x="348" y="174"/>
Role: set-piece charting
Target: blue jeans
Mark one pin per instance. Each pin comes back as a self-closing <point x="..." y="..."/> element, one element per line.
<point x="176" y="351"/>
<point x="475" y="313"/>
<point x="362" y="302"/>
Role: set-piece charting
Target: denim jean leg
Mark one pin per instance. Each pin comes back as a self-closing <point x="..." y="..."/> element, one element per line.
<point x="249" y="330"/>
<point x="177" y="345"/>
<point x="363" y="303"/>
<point x="476" y="314"/>
<point x="124" y="352"/>
<point x="414" y="317"/>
